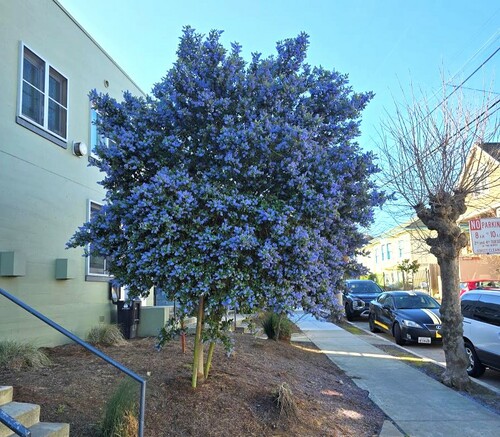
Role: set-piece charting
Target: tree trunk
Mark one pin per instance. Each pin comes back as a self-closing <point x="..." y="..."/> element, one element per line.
<point x="455" y="374"/>
<point x="198" y="347"/>
<point x="211" y="349"/>
<point x="442" y="216"/>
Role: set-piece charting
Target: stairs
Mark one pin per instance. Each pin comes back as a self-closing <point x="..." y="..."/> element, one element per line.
<point x="29" y="416"/>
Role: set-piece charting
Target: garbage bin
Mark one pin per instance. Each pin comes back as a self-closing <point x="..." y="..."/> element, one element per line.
<point x="129" y="314"/>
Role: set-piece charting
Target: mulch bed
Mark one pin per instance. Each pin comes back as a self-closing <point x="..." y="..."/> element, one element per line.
<point x="237" y="400"/>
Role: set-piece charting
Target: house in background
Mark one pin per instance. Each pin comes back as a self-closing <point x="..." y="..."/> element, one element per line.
<point x="386" y="252"/>
<point x="49" y="65"/>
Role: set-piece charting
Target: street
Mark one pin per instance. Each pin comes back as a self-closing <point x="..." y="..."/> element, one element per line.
<point x="433" y="352"/>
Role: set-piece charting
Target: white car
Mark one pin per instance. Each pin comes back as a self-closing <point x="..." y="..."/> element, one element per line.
<point x="481" y="312"/>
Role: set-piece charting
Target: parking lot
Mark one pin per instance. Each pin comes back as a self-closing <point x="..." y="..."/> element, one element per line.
<point x="433" y="352"/>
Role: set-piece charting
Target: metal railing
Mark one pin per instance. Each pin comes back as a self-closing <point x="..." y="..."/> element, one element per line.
<point x="90" y="348"/>
<point x="14" y="425"/>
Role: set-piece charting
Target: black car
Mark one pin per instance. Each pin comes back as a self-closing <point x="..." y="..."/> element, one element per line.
<point x="357" y="297"/>
<point x="411" y="316"/>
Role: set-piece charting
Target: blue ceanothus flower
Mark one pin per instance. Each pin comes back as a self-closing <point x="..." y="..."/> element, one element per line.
<point x="237" y="181"/>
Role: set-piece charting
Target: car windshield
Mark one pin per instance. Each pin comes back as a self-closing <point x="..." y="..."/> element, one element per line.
<point x="363" y="287"/>
<point x="415" y="302"/>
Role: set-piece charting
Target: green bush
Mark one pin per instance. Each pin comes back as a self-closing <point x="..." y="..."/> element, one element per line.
<point x="277" y="327"/>
<point x="16" y="356"/>
<point x="106" y="335"/>
<point x="120" y="417"/>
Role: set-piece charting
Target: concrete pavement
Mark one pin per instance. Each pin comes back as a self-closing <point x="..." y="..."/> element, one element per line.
<point x="417" y="405"/>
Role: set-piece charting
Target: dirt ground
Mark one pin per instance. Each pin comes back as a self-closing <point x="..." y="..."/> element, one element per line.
<point x="237" y="400"/>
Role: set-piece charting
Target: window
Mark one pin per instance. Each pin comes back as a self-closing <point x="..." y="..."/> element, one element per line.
<point x="376" y="255"/>
<point x="400" y="248"/>
<point x="97" y="265"/>
<point x="388" y="246"/>
<point x="382" y="252"/>
<point x="488" y="309"/>
<point x="468" y="304"/>
<point x="386" y="300"/>
<point x="96" y="137"/>
<point x="43" y="105"/>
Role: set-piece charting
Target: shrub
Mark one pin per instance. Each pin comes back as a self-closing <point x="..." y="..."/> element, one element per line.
<point x="252" y="321"/>
<point x="106" y="335"/>
<point x="120" y="417"/>
<point x="16" y="356"/>
<point x="277" y="326"/>
<point x="286" y="403"/>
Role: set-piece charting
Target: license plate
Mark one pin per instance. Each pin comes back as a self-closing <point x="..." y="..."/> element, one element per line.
<point x="426" y="340"/>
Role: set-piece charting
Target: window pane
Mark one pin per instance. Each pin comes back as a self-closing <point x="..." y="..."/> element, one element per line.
<point x="32" y="105"/>
<point x="97" y="264"/>
<point x="94" y="208"/>
<point x="488" y="310"/>
<point x="33" y="70"/>
<point x="57" y="119"/>
<point x="58" y="86"/>
<point x="93" y="131"/>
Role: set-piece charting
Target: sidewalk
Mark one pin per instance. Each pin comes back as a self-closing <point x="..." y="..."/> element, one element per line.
<point x="417" y="405"/>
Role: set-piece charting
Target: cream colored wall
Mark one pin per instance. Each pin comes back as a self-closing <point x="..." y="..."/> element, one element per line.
<point x="44" y="187"/>
<point x="487" y="200"/>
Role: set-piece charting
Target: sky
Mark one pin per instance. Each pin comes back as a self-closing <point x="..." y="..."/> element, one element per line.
<point x="383" y="45"/>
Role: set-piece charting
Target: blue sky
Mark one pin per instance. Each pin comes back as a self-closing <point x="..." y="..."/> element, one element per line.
<point x="381" y="44"/>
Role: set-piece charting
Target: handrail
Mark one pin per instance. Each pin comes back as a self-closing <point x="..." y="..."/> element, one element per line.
<point x="14" y="425"/>
<point x="90" y="348"/>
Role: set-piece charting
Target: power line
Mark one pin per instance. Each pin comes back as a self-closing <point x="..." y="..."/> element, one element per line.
<point x="474" y="89"/>
<point x="464" y="81"/>
<point x="492" y="38"/>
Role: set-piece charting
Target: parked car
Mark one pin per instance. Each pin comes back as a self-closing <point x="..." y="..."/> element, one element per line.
<point x="481" y="312"/>
<point x="411" y="316"/>
<point x="357" y="297"/>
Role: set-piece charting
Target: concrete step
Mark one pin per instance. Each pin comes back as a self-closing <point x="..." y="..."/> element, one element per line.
<point x="5" y="394"/>
<point x="29" y="416"/>
<point x="45" y="429"/>
<point x="25" y="414"/>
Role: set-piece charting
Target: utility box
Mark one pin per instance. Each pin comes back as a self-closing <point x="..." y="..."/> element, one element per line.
<point x="129" y="314"/>
<point x="12" y="264"/>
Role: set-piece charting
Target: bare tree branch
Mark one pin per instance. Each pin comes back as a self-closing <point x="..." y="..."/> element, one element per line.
<point x="435" y="159"/>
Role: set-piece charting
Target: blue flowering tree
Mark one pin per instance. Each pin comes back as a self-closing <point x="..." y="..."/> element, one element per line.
<point x="236" y="185"/>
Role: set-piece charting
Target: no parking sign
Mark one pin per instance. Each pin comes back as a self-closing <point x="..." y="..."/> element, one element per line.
<point x="485" y="235"/>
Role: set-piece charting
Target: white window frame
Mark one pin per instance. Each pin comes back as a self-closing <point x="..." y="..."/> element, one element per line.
<point x="26" y="121"/>
<point x="89" y="273"/>
<point x="95" y="136"/>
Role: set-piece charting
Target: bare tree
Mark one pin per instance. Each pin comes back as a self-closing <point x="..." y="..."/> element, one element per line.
<point x="434" y="163"/>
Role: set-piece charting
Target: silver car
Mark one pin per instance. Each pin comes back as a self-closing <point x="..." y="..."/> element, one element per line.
<point x="481" y="312"/>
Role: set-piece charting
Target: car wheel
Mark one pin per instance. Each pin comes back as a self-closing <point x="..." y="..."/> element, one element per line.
<point x="475" y="368"/>
<point x="371" y="323"/>
<point x="398" y="336"/>
<point x="348" y="313"/>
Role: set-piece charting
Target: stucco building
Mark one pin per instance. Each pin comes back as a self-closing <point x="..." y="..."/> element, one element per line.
<point x="49" y="65"/>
